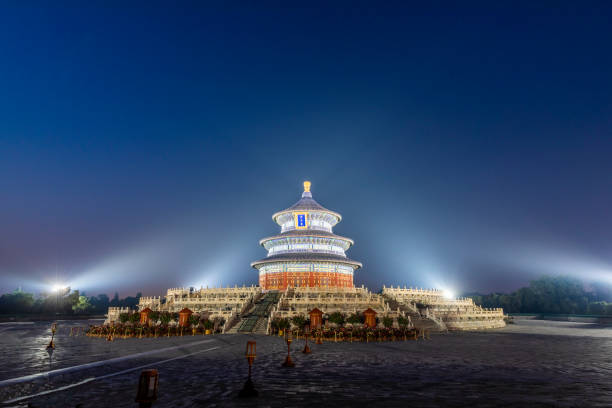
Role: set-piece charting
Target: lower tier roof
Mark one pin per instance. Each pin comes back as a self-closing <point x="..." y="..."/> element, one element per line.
<point x="307" y="257"/>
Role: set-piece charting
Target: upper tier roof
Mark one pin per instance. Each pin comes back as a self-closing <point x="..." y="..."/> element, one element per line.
<point x="306" y="233"/>
<point x="307" y="203"/>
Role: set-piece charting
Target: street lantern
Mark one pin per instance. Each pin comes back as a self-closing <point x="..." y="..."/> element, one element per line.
<point x="51" y="345"/>
<point x="306" y="348"/>
<point x="288" y="362"/>
<point x="147" y="388"/>
<point x="249" y="389"/>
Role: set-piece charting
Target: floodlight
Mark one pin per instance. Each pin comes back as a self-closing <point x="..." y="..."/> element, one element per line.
<point x="448" y="294"/>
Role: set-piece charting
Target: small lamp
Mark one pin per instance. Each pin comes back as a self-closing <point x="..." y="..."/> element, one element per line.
<point x="307" y="333"/>
<point x="249" y="389"/>
<point x="51" y="345"/>
<point x="147" y="388"/>
<point x="288" y="362"/>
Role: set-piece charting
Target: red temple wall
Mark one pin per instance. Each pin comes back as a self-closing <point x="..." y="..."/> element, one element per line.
<point x="281" y="280"/>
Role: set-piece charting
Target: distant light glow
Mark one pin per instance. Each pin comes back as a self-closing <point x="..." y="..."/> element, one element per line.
<point x="58" y="287"/>
<point x="449" y="294"/>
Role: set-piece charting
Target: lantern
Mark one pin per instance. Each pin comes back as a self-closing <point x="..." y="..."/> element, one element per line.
<point x="307" y="333"/>
<point x="147" y="388"/>
<point x="51" y="345"/>
<point x="288" y="362"/>
<point x="250" y="352"/>
<point x="249" y="389"/>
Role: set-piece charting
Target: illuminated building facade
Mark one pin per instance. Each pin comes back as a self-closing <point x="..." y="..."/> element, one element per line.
<point x="306" y="253"/>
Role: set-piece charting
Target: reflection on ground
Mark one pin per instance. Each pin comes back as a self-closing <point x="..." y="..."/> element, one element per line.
<point x="530" y="363"/>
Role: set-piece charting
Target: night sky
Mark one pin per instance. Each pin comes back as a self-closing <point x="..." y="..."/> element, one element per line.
<point x="145" y="147"/>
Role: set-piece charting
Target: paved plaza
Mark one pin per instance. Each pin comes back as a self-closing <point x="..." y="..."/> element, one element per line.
<point x="535" y="363"/>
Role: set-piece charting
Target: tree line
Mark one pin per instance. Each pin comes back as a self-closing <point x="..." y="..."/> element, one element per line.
<point x="63" y="302"/>
<point x="552" y="295"/>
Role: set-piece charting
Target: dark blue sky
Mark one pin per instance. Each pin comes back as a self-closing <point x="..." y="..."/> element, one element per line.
<point x="145" y="147"/>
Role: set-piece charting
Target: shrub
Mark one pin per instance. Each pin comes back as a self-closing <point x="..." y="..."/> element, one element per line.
<point x="154" y="316"/>
<point x="194" y="320"/>
<point x="124" y="317"/>
<point x="387" y="322"/>
<point x="299" y="321"/>
<point x="208" y="325"/>
<point x="337" y="318"/>
<point x="165" y="318"/>
<point x="283" y="324"/>
<point x="135" y="317"/>
<point x="218" y="323"/>
<point x="354" y="319"/>
<point x="402" y="322"/>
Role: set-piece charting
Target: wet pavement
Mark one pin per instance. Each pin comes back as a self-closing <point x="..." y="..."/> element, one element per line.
<point x="530" y="363"/>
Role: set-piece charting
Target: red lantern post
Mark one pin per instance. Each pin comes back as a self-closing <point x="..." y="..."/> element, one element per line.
<point x="147" y="388"/>
<point x="249" y="389"/>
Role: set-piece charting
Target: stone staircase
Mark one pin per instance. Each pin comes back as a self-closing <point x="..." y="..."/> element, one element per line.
<point x="420" y="321"/>
<point x="255" y="320"/>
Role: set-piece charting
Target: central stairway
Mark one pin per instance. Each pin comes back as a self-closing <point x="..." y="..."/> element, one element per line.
<point x="419" y="320"/>
<point x="256" y="320"/>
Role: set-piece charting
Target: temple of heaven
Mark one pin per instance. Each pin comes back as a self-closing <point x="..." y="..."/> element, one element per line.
<point x="306" y="253"/>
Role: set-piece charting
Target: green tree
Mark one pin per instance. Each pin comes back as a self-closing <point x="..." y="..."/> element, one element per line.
<point x="115" y="301"/>
<point x="82" y="306"/>
<point x="99" y="304"/>
<point x="558" y="295"/>
<point x="16" y="302"/>
<point x="387" y="322"/>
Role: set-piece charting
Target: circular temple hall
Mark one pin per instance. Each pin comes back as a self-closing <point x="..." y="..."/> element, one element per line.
<point x="306" y="253"/>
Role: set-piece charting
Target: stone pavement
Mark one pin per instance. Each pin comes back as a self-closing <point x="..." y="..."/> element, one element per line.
<point x="506" y="367"/>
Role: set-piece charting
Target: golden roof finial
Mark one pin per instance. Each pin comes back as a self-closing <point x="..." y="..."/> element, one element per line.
<point x="307" y="186"/>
